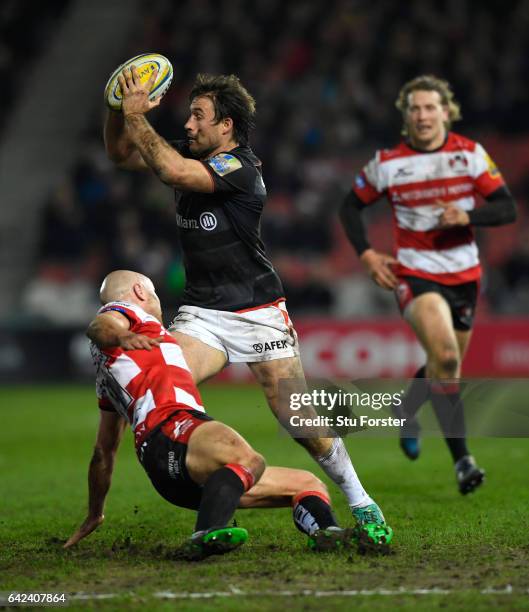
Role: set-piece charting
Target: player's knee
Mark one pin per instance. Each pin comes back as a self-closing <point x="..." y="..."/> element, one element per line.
<point x="258" y="465"/>
<point x="307" y="481"/>
<point x="447" y="362"/>
<point x="252" y="461"/>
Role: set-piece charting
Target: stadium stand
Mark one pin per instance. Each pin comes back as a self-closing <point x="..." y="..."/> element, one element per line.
<point x="325" y="75"/>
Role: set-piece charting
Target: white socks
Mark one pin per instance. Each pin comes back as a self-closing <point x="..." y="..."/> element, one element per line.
<point x="338" y="467"/>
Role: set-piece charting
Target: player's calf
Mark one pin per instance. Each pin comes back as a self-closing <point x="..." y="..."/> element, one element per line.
<point x="221" y="495"/>
<point x="227" y="466"/>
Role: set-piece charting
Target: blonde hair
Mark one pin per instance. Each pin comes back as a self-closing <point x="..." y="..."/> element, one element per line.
<point x="429" y="82"/>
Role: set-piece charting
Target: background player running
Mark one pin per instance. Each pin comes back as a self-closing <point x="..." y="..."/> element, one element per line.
<point x="233" y="304"/>
<point x="431" y="179"/>
<point x="192" y="461"/>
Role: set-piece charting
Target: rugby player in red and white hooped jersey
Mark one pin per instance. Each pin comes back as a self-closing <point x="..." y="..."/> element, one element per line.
<point x="432" y="179"/>
<point x="192" y="460"/>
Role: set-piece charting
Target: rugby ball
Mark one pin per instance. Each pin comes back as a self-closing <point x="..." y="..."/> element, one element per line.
<point x="146" y="63"/>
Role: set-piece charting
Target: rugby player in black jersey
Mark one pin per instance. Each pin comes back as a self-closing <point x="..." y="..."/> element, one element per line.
<point x="192" y="460"/>
<point x="233" y="305"/>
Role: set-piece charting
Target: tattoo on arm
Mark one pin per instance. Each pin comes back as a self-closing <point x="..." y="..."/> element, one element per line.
<point x="155" y="150"/>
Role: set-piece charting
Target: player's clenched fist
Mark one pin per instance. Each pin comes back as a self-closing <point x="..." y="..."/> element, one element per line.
<point x="452" y="215"/>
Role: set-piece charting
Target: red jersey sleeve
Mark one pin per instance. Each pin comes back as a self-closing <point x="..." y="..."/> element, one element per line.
<point x="487" y="177"/>
<point x="367" y="185"/>
<point x="128" y="310"/>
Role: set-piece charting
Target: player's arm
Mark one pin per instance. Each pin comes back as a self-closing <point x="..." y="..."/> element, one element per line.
<point x="109" y="434"/>
<point x="119" y="147"/>
<point x="167" y="163"/>
<point x="499" y="209"/>
<point x="112" y="328"/>
<point x="377" y="264"/>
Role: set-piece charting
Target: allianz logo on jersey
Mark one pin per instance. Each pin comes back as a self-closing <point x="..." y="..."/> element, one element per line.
<point x="206" y="221"/>
<point x="270" y="346"/>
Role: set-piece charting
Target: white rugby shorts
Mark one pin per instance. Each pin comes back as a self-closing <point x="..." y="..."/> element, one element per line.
<point x="262" y="333"/>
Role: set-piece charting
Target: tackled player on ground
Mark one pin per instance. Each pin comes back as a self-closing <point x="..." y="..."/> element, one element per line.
<point x="192" y="460"/>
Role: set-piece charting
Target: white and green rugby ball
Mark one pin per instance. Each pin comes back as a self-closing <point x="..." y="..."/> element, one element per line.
<point x="146" y="63"/>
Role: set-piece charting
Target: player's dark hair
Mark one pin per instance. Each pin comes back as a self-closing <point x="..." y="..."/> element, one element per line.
<point x="429" y="82"/>
<point x="230" y="99"/>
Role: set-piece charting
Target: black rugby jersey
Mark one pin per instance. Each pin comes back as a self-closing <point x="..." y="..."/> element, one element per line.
<point x="224" y="257"/>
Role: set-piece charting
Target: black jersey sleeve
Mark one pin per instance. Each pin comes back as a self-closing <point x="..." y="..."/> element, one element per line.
<point x="351" y="218"/>
<point x="231" y="174"/>
<point x="499" y="209"/>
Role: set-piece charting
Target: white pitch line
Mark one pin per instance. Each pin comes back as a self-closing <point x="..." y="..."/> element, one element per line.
<point x="234" y="592"/>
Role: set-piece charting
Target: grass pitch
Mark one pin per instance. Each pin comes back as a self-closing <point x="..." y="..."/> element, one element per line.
<point x="449" y="551"/>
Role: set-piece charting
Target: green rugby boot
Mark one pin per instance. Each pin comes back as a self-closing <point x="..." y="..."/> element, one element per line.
<point x="330" y="539"/>
<point x="373" y="538"/>
<point x="366" y="515"/>
<point x="372" y="530"/>
<point x="363" y="539"/>
<point x="215" y="541"/>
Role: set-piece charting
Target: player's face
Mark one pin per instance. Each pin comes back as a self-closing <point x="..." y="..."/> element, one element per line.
<point x="426" y="119"/>
<point x="203" y="133"/>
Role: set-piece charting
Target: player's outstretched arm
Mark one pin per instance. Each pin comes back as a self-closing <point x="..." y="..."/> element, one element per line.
<point x="167" y="163"/>
<point x="119" y="147"/>
<point x="110" y="432"/>
<point x="111" y="329"/>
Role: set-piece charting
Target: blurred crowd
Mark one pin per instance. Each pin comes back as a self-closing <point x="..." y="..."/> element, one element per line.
<point x="25" y="28"/>
<point x="325" y="75"/>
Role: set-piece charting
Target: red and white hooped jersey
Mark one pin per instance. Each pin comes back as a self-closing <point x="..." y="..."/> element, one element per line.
<point x="414" y="181"/>
<point x="144" y="386"/>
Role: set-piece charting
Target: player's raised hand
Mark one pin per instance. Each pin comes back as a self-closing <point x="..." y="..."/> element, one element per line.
<point x="378" y="266"/>
<point x="90" y="524"/>
<point x="130" y="341"/>
<point x="451" y="215"/>
<point x="135" y="93"/>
